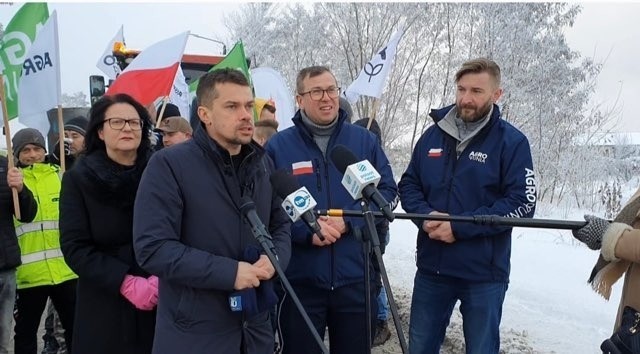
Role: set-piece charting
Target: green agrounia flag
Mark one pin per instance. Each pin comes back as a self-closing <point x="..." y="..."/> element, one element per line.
<point x="235" y="60"/>
<point x="14" y="46"/>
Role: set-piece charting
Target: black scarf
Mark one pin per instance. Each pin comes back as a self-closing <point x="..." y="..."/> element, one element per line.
<point x="115" y="182"/>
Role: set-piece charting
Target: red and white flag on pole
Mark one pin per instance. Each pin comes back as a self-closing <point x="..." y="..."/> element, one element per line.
<point x="151" y="74"/>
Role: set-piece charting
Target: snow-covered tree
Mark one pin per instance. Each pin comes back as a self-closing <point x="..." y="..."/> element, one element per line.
<point x="78" y="99"/>
<point x="548" y="86"/>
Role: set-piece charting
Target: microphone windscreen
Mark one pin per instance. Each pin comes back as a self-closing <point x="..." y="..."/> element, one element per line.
<point x="283" y="183"/>
<point x="342" y="157"/>
<point x="246" y="204"/>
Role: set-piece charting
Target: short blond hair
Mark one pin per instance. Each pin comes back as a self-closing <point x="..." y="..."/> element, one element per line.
<point x="480" y="65"/>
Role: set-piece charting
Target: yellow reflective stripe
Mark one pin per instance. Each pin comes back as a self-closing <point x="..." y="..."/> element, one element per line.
<point x="40" y="256"/>
<point x="36" y="226"/>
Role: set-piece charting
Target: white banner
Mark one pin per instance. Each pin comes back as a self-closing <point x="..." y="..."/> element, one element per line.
<point x="39" y="88"/>
<point x="180" y="93"/>
<point x="372" y="78"/>
<point x="269" y="84"/>
<point x="107" y="62"/>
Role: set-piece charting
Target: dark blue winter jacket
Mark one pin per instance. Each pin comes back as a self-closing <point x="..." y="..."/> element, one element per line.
<point x="341" y="263"/>
<point x="493" y="175"/>
<point x="188" y="231"/>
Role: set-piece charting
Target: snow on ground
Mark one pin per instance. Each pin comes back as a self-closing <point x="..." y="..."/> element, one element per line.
<point x="549" y="307"/>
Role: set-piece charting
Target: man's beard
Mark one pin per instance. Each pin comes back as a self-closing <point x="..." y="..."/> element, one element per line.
<point x="476" y="114"/>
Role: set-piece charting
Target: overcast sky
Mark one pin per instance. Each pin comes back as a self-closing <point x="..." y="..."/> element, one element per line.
<point x="610" y="31"/>
<point x="602" y="30"/>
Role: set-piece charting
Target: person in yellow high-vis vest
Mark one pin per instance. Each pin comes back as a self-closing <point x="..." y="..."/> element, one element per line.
<point x="43" y="273"/>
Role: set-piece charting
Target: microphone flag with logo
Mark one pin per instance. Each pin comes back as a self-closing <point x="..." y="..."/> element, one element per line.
<point x="360" y="179"/>
<point x="298" y="203"/>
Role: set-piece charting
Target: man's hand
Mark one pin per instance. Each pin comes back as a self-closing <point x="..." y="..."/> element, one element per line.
<point x="439" y="230"/>
<point x="264" y="263"/>
<point x="15" y="179"/>
<point x="248" y="276"/>
<point x="443" y="233"/>
<point x="431" y="225"/>
<point x="331" y="235"/>
<point x="337" y="222"/>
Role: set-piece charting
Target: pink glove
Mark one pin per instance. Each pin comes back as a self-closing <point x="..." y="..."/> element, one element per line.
<point x="141" y="292"/>
<point x="153" y="283"/>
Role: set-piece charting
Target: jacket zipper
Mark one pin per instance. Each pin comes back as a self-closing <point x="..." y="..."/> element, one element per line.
<point x="333" y="258"/>
<point x="241" y="188"/>
<point x="332" y="139"/>
<point x="318" y="178"/>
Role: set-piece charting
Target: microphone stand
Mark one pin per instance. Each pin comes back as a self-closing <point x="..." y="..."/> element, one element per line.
<point x="491" y="220"/>
<point x="375" y="241"/>
<point x="262" y="235"/>
<point x="366" y="253"/>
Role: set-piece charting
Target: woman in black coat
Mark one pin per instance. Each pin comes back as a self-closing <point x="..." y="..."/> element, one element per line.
<point x="115" y="306"/>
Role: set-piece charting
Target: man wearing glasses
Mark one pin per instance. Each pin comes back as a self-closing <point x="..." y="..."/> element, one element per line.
<point x="328" y="275"/>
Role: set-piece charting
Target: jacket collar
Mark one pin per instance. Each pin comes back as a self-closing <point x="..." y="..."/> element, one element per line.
<point x="439" y="114"/>
<point x="297" y="121"/>
<point x="41" y="167"/>
<point x="216" y="152"/>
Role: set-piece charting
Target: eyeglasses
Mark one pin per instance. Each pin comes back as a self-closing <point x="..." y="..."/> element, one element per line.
<point x="118" y="123"/>
<point x="318" y="94"/>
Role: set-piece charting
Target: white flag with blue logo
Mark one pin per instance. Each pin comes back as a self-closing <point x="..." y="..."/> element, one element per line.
<point x="39" y="88"/>
<point x="371" y="80"/>
<point x="180" y="94"/>
<point x="108" y="62"/>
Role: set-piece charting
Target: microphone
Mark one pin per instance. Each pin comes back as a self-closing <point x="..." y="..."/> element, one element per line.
<point x="298" y="202"/>
<point x="248" y="210"/>
<point x="360" y="178"/>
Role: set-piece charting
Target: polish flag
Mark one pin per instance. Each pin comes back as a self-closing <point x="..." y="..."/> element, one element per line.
<point x="434" y="153"/>
<point x="302" y="168"/>
<point x="151" y="74"/>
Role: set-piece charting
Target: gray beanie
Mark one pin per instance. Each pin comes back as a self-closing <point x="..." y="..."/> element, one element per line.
<point x="77" y="124"/>
<point x="27" y="136"/>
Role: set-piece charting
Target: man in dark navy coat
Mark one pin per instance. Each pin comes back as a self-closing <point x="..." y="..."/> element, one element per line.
<point x="215" y="288"/>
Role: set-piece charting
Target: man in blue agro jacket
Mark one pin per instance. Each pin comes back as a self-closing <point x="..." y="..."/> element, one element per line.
<point x="328" y="275"/>
<point x="215" y="282"/>
<point x="470" y="162"/>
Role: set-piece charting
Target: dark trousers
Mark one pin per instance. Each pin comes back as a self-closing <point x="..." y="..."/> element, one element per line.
<point x="342" y="310"/>
<point x="30" y="304"/>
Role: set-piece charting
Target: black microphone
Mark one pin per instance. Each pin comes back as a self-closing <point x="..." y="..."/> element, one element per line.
<point x="298" y="202"/>
<point x="360" y="178"/>
<point x="248" y="210"/>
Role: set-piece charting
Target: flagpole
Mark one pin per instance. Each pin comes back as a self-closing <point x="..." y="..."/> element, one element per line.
<point x="61" y="138"/>
<point x="376" y="104"/>
<point x="164" y="105"/>
<point x="7" y="131"/>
